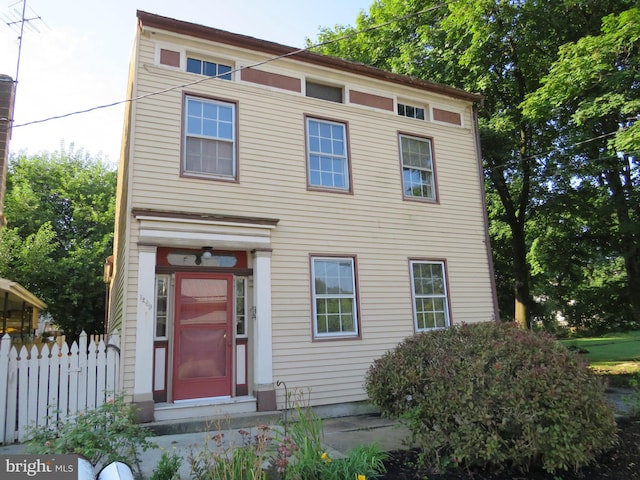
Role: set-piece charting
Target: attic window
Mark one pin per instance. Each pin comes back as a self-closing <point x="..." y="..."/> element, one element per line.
<point x="324" y="92"/>
<point x="410" y="111"/>
<point x="210" y="69"/>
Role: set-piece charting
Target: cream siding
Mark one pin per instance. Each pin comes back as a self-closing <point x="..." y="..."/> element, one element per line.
<point x="374" y="224"/>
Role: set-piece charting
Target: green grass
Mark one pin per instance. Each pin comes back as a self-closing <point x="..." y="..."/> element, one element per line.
<point x="615" y="354"/>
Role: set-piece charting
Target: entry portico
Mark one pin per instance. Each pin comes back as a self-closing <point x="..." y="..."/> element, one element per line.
<point x="203" y="309"/>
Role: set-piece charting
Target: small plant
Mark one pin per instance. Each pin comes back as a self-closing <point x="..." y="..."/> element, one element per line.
<point x="167" y="468"/>
<point x="301" y="455"/>
<point x="106" y="434"/>
<point x="222" y="459"/>
<point x="492" y="395"/>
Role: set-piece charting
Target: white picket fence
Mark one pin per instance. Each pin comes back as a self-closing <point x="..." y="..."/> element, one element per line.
<point x="39" y="388"/>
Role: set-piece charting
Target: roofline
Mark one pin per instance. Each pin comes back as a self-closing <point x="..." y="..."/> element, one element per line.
<point x="152" y="20"/>
<point x="22" y="293"/>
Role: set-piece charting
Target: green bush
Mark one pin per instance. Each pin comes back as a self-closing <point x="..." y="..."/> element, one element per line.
<point x="108" y="433"/>
<point x="491" y="395"/>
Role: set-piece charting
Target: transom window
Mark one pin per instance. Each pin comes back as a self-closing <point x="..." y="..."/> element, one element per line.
<point x="334" y="297"/>
<point x="210" y="69"/>
<point x="328" y="162"/>
<point x="410" y="111"/>
<point x="323" y="92"/>
<point x="429" y="289"/>
<point x="210" y="137"/>
<point x="418" y="179"/>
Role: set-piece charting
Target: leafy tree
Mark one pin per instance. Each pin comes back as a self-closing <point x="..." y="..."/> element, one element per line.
<point x="60" y="217"/>
<point x="591" y="100"/>
<point x="500" y="49"/>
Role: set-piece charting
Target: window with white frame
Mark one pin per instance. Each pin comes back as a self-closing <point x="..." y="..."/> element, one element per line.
<point x="429" y="289"/>
<point x="162" y="307"/>
<point x="210" y="69"/>
<point x="418" y="178"/>
<point x="334" y="297"/>
<point x="327" y="158"/>
<point x="405" y="110"/>
<point x="210" y="138"/>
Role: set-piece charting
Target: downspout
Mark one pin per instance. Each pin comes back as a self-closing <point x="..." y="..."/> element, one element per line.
<point x="487" y="240"/>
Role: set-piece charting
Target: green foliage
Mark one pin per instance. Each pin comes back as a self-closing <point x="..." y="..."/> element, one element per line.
<point x="60" y="218"/>
<point x="503" y="49"/>
<point x="167" y="468"/>
<point x="224" y="459"/>
<point x="301" y="455"/>
<point x="493" y="395"/>
<point x="109" y="433"/>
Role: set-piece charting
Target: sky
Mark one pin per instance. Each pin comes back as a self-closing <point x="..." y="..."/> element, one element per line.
<point x="75" y="56"/>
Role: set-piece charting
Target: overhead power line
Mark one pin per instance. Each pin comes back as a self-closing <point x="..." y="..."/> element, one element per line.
<point x="269" y="60"/>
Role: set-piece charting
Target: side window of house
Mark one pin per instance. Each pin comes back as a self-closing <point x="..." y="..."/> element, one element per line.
<point x="241" y="307"/>
<point x="210" y="138"/>
<point x="210" y="69"/>
<point x="334" y="297"/>
<point x="429" y="291"/>
<point x="418" y="177"/>
<point x="327" y="156"/>
<point x="162" y="307"/>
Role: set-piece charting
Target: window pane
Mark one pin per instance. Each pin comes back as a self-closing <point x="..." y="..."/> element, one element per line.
<point x="225" y="114"/>
<point x="224" y="72"/>
<point x="225" y="131"/>
<point x="194" y="66"/>
<point x="210" y="69"/>
<point x="209" y="128"/>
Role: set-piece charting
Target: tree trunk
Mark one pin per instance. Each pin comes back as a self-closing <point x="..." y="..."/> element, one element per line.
<point x="520" y="276"/>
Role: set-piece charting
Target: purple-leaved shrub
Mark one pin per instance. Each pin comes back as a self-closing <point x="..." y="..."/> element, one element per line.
<point x="492" y="395"/>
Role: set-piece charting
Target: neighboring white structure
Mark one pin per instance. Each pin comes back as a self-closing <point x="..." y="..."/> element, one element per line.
<point x="285" y="216"/>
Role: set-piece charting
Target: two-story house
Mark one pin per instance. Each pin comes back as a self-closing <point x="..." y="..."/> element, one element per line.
<point x="284" y="216"/>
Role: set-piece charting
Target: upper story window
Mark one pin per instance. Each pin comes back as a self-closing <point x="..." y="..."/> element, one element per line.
<point x="334" y="297"/>
<point x="209" y="138"/>
<point x="411" y="111"/>
<point x="418" y="177"/>
<point x="327" y="158"/>
<point x="324" y="92"/>
<point x="210" y="69"/>
<point x="429" y="291"/>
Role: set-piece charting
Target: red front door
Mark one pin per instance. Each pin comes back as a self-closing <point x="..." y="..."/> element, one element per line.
<point x="202" y="335"/>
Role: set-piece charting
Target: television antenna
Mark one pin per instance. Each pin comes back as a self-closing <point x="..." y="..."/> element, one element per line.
<point x="16" y="19"/>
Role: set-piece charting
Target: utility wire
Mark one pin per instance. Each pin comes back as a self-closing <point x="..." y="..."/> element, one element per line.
<point x="269" y="60"/>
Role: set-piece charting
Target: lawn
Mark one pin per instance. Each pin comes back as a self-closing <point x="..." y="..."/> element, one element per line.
<point x="612" y="354"/>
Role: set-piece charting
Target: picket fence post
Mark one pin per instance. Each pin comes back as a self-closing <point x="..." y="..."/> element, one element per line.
<point x="5" y="348"/>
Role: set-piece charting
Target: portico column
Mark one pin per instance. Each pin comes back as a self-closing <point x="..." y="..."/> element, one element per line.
<point x="264" y="389"/>
<point x="143" y="385"/>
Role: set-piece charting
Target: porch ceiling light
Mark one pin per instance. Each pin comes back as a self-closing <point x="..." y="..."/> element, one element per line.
<point x="206" y="253"/>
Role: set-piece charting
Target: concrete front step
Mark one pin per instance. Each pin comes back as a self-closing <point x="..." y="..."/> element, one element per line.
<point x="232" y="421"/>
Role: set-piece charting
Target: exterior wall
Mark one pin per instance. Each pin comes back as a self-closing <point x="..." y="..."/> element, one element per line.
<point x="373" y="223"/>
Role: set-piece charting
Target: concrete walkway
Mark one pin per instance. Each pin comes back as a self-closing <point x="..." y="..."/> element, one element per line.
<point x="340" y="434"/>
